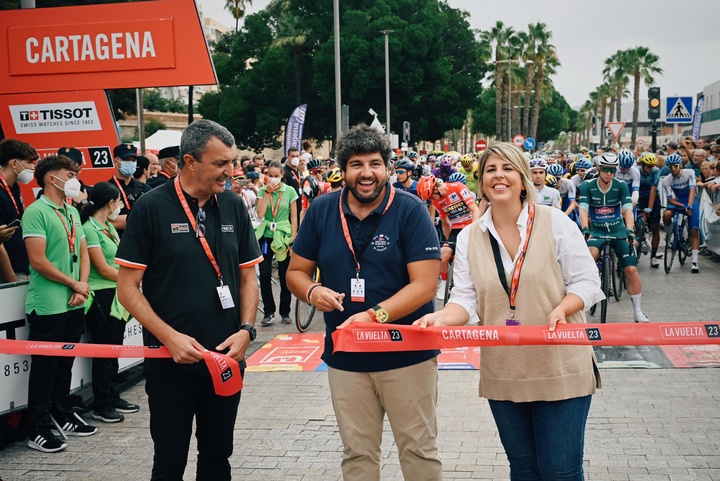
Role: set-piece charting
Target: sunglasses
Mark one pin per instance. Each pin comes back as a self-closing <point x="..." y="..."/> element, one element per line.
<point x="673" y="167"/>
<point x="200" y="231"/>
<point x="400" y="172"/>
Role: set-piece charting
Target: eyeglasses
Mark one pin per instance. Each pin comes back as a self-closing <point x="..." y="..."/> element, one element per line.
<point x="608" y="170"/>
<point x="200" y="231"/>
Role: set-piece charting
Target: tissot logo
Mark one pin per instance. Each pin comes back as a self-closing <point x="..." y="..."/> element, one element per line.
<point x="55" y="117"/>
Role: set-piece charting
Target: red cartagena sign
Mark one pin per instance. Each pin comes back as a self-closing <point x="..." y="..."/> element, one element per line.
<point x="97" y="47"/>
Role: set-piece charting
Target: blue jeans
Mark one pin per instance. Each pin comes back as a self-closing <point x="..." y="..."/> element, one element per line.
<point x="543" y="440"/>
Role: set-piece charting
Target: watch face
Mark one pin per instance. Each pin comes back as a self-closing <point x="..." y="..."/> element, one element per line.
<point x="382" y="315"/>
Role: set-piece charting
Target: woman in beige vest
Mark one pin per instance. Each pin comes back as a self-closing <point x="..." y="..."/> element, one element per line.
<point x="539" y="395"/>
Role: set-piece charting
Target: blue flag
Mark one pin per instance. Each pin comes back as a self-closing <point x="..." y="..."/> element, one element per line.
<point x="294" y="128"/>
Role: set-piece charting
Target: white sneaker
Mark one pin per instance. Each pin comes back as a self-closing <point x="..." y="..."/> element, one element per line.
<point x="640" y="317"/>
<point x="695" y="268"/>
<point x="654" y="262"/>
<point x="441" y="290"/>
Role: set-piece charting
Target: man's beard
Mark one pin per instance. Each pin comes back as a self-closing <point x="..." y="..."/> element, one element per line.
<point x="371" y="197"/>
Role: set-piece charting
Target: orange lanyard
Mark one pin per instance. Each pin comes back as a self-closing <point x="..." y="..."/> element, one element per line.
<point x="12" y="197"/>
<point x="70" y="235"/>
<point x="107" y="232"/>
<point x="346" y="230"/>
<point x="521" y="258"/>
<point x="274" y="208"/>
<point x="203" y="240"/>
<point x="122" y="192"/>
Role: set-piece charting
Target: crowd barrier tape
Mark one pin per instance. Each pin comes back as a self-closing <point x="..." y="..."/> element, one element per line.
<point x="367" y="337"/>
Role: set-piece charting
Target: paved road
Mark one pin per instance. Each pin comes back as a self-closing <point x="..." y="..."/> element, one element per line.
<point x="644" y="425"/>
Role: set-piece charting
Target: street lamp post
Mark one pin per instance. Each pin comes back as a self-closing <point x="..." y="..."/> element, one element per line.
<point x="338" y="84"/>
<point x="387" y="83"/>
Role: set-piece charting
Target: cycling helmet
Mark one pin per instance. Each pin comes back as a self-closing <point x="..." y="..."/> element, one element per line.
<point x="476" y="171"/>
<point x="591" y="174"/>
<point x="607" y="160"/>
<point x="406" y="165"/>
<point x="412" y="154"/>
<point x="556" y="170"/>
<point x="551" y="181"/>
<point x="538" y="163"/>
<point x="335" y="175"/>
<point x="445" y="163"/>
<point x="426" y="187"/>
<point x="314" y="164"/>
<point x="583" y="163"/>
<point x="432" y="158"/>
<point x="673" y="159"/>
<point x="457" y="177"/>
<point x="422" y="158"/>
<point x="648" y="158"/>
<point x="467" y="161"/>
<point x="626" y="158"/>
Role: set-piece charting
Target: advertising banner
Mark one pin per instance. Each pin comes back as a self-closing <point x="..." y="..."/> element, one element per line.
<point x="294" y="128"/>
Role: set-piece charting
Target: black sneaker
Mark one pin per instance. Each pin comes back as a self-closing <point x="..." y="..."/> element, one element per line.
<point x="267" y="320"/>
<point x="108" y="414"/>
<point x="122" y="406"/>
<point x="43" y="440"/>
<point x="72" y="427"/>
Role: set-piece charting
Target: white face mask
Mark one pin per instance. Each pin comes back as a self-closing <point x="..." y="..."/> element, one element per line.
<point x="307" y="190"/>
<point x="25" y="176"/>
<point x="274" y="181"/>
<point x="71" y="189"/>
<point x="116" y="212"/>
<point x="295" y="161"/>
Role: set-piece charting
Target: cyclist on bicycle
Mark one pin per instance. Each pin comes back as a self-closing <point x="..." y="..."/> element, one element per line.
<point x="544" y="195"/>
<point x="456" y="208"/>
<point x="628" y="173"/>
<point x="680" y="192"/>
<point x="466" y="168"/>
<point x="581" y="167"/>
<point x="567" y="191"/>
<point x="606" y="211"/>
<point x="649" y="203"/>
<point x="404" y="170"/>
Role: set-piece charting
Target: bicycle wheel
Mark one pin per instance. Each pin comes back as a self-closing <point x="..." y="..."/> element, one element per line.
<point x="669" y="256"/>
<point x="304" y="311"/>
<point x="641" y="234"/>
<point x="605" y="283"/>
<point x="616" y="286"/>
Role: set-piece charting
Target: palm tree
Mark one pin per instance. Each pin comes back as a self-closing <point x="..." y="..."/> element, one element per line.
<point x="642" y="63"/>
<point x="500" y="36"/>
<point x="528" y="53"/>
<point x="615" y="73"/>
<point x="290" y="34"/>
<point x="605" y="92"/>
<point x="545" y="59"/>
<point x="237" y="9"/>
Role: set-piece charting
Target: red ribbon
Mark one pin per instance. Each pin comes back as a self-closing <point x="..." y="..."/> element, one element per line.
<point x="224" y="371"/>
<point x="371" y="337"/>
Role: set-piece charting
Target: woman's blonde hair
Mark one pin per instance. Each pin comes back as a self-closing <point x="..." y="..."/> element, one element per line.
<point x="510" y="153"/>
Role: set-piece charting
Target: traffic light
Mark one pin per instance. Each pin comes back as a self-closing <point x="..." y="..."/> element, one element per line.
<point x="595" y="126"/>
<point x="654" y="103"/>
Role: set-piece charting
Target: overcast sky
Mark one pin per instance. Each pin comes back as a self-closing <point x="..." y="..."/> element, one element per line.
<point x="683" y="34"/>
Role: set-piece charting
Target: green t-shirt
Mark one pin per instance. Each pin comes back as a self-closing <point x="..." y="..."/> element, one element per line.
<point x="105" y="237"/>
<point x="42" y="219"/>
<point x="283" y="211"/>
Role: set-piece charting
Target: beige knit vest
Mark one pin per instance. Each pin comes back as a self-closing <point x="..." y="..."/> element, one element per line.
<point x="528" y="373"/>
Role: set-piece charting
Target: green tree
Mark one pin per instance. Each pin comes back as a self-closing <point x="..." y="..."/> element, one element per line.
<point x="615" y="73"/>
<point x="483" y="117"/>
<point x="152" y="126"/>
<point x="555" y="116"/>
<point x="500" y="36"/>
<point x="643" y="64"/>
<point x="237" y="9"/>
<point x="544" y="63"/>
<point x="123" y="102"/>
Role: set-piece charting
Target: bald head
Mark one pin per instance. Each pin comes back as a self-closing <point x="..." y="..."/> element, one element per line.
<point x="154" y="164"/>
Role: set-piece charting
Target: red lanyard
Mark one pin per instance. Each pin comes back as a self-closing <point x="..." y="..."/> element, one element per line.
<point x="346" y="231"/>
<point x="521" y="258"/>
<point x="122" y="192"/>
<point x="70" y="235"/>
<point x="12" y="197"/>
<point x="191" y="218"/>
<point x="274" y="208"/>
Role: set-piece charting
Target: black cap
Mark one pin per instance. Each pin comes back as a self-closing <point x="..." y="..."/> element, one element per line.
<point x="173" y="151"/>
<point x="124" y="151"/>
<point x="71" y="153"/>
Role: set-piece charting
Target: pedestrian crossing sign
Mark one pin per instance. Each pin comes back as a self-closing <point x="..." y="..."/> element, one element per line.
<point x="679" y="110"/>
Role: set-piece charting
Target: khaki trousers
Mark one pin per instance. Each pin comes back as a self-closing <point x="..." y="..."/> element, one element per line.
<point x="409" y="397"/>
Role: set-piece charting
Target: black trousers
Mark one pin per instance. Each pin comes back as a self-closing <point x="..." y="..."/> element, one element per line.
<point x="174" y="400"/>
<point x="266" y="282"/>
<point x="105" y="329"/>
<point x="50" y="376"/>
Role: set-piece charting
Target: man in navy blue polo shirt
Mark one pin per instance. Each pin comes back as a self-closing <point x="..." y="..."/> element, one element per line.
<point x="379" y="256"/>
<point x="191" y="244"/>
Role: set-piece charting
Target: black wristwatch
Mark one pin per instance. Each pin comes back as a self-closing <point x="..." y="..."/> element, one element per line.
<point x="250" y="329"/>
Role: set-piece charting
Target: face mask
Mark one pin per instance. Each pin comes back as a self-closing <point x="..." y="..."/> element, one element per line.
<point x="274" y="181"/>
<point x="71" y="189"/>
<point x="307" y="190"/>
<point x="127" y="168"/>
<point x="25" y="176"/>
<point x="116" y="212"/>
<point x="295" y="161"/>
<point x="172" y="165"/>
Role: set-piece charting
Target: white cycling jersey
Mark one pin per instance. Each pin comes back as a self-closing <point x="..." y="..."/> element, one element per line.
<point x="631" y="177"/>
<point x="548" y="196"/>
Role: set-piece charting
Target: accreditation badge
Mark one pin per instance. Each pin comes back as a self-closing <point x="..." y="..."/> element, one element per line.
<point x="357" y="289"/>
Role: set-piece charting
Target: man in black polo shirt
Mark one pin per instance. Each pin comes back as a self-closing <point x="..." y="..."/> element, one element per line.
<point x="17" y="166"/>
<point x="169" y="158"/>
<point x="125" y="159"/>
<point x="191" y="244"/>
<point x="379" y="256"/>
